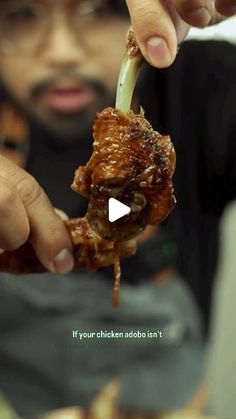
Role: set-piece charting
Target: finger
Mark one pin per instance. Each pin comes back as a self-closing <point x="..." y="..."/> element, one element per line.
<point x="61" y="214"/>
<point x="217" y="18"/>
<point x="49" y="236"/>
<point x="127" y="248"/>
<point x="48" y="233"/>
<point x="14" y="228"/>
<point x="195" y="12"/>
<point x="226" y="7"/>
<point x="154" y="31"/>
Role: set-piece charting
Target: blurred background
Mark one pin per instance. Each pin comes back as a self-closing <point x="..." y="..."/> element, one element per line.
<point x="59" y="63"/>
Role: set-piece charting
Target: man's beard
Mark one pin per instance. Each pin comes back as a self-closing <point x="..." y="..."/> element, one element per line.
<point x="62" y="128"/>
<point x="66" y="130"/>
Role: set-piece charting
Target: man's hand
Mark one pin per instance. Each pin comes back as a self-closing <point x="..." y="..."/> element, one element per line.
<point x="27" y="214"/>
<point x="160" y="25"/>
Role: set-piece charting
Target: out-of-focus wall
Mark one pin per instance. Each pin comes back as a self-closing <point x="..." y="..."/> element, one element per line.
<point x="222" y="348"/>
<point x="224" y="31"/>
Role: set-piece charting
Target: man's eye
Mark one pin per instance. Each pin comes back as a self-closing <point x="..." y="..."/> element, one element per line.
<point x="26" y="13"/>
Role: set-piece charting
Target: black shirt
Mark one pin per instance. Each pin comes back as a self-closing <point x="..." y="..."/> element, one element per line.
<point x="195" y="102"/>
<point x="54" y="165"/>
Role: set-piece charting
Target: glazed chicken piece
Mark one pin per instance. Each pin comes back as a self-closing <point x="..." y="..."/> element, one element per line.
<point x="133" y="164"/>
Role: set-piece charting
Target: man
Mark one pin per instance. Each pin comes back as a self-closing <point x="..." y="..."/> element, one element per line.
<point x="27" y="199"/>
<point x="59" y="65"/>
<point x="59" y="86"/>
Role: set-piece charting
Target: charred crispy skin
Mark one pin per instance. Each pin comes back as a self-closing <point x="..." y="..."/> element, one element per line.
<point x="132" y="163"/>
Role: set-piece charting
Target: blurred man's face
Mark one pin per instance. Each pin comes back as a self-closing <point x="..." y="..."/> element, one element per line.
<point x="59" y="59"/>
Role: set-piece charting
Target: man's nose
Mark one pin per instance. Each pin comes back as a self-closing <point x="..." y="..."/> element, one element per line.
<point x="62" y="48"/>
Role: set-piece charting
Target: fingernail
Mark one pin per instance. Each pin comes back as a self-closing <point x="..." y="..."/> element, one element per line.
<point x="63" y="262"/>
<point x="158" y="52"/>
<point x="200" y="17"/>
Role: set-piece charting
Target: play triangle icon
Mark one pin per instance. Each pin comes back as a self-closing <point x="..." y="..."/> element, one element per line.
<point x="116" y="210"/>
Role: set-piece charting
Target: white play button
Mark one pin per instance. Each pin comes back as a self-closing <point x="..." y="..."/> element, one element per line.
<point x="116" y="210"/>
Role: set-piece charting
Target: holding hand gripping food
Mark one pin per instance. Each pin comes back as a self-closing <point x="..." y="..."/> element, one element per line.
<point x="160" y="26"/>
<point x="130" y="162"/>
